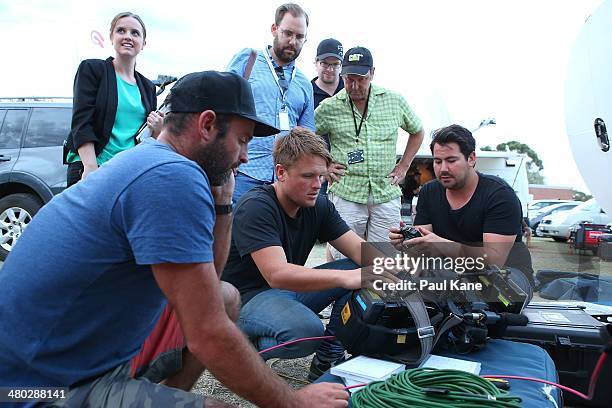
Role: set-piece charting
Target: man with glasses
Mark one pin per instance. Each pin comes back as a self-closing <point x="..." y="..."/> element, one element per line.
<point x="283" y="95"/>
<point x="328" y="82"/>
<point x="328" y="63"/>
<point x="362" y="122"/>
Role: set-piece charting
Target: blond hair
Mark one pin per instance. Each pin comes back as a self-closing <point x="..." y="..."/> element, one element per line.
<point x="299" y="142"/>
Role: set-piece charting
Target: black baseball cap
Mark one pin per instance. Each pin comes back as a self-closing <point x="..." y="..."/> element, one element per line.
<point x="329" y="48"/>
<point x="221" y="92"/>
<point x="357" y="61"/>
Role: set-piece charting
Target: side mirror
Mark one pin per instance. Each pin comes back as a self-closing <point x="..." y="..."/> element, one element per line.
<point x="162" y="81"/>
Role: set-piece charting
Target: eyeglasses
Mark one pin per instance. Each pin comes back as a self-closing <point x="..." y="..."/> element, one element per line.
<point x="334" y="67"/>
<point x="301" y="38"/>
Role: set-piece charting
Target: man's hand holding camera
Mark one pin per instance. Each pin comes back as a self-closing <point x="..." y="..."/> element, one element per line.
<point x="406" y="236"/>
<point x="415" y="237"/>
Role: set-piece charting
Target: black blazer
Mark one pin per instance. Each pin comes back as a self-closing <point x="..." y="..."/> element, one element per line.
<point x="95" y="103"/>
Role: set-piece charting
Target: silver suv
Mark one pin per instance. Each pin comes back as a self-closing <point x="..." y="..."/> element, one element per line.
<point x="32" y="132"/>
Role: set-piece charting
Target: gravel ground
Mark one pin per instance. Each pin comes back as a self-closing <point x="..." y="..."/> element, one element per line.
<point x="545" y="253"/>
<point x="293" y="371"/>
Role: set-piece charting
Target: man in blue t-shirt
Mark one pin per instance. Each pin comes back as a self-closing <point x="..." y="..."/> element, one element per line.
<point x="89" y="278"/>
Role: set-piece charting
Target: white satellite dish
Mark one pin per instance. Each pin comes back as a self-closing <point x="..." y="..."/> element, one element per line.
<point x="588" y="104"/>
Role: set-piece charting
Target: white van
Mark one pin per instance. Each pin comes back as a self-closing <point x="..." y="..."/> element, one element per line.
<point x="510" y="166"/>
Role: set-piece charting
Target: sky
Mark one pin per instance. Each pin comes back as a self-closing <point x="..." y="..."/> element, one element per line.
<point x="454" y="61"/>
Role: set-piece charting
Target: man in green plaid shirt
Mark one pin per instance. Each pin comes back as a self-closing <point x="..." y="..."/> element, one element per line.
<point x="362" y="122"/>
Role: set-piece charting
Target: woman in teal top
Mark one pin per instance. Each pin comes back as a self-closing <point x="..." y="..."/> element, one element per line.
<point x="111" y="101"/>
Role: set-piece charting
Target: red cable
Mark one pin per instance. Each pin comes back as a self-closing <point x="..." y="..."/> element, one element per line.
<point x="518" y="377"/>
<point x="297" y="341"/>
<point x="592" y="382"/>
<point x="595" y="374"/>
<point x="355" y="386"/>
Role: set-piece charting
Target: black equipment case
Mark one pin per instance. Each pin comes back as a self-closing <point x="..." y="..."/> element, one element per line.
<point x="574" y="340"/>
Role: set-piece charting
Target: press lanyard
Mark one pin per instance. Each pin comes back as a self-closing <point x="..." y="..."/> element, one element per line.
<point x="365" y="113"/>
<point x="269" y="61"/>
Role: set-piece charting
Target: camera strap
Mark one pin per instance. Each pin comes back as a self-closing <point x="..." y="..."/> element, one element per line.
<point x="425" y="331"/>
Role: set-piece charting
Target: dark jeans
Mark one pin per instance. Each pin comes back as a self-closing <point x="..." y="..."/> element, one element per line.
<point x="277" y="316"/>
<point x="75" y="171"/>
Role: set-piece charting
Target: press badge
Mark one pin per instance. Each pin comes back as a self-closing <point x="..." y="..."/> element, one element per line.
<point x="283" y="119"/>
<point x="355" y="156"/>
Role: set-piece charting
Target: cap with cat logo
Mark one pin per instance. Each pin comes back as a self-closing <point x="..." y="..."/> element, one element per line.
<point x="357" y="61"/>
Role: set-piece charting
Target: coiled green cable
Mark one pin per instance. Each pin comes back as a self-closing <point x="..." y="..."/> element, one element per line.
<point x="429" y="387"/>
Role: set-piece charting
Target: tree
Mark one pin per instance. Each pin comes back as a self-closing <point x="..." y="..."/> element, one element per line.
<point x="535" y="165"/>
<point x="580" y="196"/>
<point x="534" y="176"/>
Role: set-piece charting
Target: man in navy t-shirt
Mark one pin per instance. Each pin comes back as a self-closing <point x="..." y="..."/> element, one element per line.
<point x="87" y="281"/>
<point x="275" y="228"/>
<point x="463" y="206"/>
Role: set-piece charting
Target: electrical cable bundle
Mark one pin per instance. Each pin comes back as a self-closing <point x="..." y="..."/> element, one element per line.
<point x="430" y="387"/>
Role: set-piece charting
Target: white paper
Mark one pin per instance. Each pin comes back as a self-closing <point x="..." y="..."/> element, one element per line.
<point x="367" y="368"/>
<point x="447" y="363"/>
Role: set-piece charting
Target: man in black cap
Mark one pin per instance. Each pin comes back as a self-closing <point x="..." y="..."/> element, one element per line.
<point x="328" y="83"/>
<point x="90" y="277"/>
<point x="362" y="122"/>
<point x="327" y="63"/>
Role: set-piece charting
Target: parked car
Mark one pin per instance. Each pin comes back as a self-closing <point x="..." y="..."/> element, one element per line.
<point x="536" y="205"/>
<point x="536" y="216"/>
<point x="31" y="170"/>
<point x="557" y="226"/>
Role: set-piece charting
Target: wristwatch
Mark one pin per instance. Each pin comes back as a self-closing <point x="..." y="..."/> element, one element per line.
<point x="221" y="209"/>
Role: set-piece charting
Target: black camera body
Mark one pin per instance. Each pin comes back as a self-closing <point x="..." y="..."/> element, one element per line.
<point x="409" y="232"/>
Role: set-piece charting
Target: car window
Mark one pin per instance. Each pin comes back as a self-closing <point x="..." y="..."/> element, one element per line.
<point x="48" y="127"/>
<point x="587" y="206"/>
<point x="542" y="204"/>
<point x="10" y="134"/>
<point x="537" y="206"/>
<point x="562" y="208"/>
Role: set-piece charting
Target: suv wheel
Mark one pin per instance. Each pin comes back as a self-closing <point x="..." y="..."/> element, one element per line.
<point x="16" y="212"/>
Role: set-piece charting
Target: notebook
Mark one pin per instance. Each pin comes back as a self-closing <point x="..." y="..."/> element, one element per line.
<point x="364" y="370"/>
<point x="444" y="363"/>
